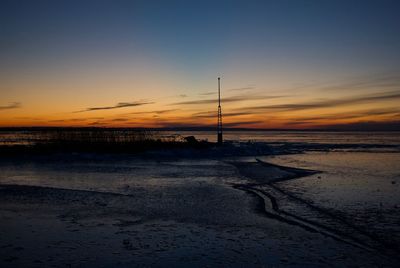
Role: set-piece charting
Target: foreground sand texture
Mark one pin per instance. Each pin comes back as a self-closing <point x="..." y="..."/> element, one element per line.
<point x="132" y="212"/>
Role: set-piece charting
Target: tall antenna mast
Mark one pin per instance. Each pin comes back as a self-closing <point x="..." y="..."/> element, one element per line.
<point x="219" y="128"/>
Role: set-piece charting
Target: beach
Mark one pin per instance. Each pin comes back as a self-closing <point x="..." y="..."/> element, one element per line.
<point x="104" y="210"/>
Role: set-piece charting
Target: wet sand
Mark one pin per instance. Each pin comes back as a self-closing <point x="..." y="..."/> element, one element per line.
<point x="164" y="213"/>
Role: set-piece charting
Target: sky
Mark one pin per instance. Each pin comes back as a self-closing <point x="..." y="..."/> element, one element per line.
<point x="283" y="64"/>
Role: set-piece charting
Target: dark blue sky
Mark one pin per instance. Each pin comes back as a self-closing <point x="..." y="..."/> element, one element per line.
<point x="183" y="31"/>
<point x="180" y="47"/>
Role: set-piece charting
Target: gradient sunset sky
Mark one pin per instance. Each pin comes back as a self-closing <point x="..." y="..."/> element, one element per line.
<point x="283" y="64"/>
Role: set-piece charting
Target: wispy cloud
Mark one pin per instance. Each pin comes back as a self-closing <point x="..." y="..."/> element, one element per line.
<point x="380" y="82"/>
<point x="57" y="121"/>
<point x="27" y="118"/>
<point x="117" y="106"/>
<point x="214" y="92"/>
<point x="297" y="123"/>
<point x="97" y="123"/>
<point x="376" y="81"/>
<point x="13" y="105"/>
<point x="207" y="93"/>
<point x="387" y="81"/>
<point x="326" y="103"/>
<point x="119" y="119"/>
<point x="242" y="123"/>
<point x="214" y="114"/>
<point x="68" y="120"/>
<point x="156" y="112"/>
<point x="228" y="99"/>
<point x="241" y="88"/>
<point x="174" y="124"/>
<point x="72" y="120"/>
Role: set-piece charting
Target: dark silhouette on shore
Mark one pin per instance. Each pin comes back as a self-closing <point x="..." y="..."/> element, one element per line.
<point x="99" y="140"/>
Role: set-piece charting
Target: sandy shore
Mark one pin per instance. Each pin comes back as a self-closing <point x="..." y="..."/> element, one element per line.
<point x="214" y="213"/>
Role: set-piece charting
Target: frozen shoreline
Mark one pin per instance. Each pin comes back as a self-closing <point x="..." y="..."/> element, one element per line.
<point x="171" y="219"/>
<point x="271" y="193"/>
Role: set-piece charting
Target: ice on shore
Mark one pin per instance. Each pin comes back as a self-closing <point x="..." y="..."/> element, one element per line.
<point x="168" y="208"/>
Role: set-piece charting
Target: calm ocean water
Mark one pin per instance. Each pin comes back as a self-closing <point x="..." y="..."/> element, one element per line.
<point x="387" y="138"/>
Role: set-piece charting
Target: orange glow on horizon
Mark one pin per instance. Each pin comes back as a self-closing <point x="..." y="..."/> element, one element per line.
<point x="111" y="100"/>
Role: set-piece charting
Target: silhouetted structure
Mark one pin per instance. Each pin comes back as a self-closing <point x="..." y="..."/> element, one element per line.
<point x="191" y="140"/>
<point x="219" y="128"/>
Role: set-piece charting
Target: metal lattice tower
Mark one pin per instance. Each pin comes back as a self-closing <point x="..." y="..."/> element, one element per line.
<point x="219" y="130"/>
